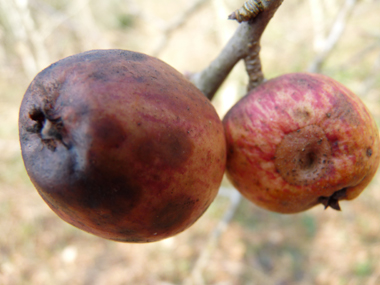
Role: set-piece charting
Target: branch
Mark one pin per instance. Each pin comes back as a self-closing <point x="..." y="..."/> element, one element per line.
<point x="244" y="44"/>
<point x="252" y="60"/>
<point x="210" y="79"/>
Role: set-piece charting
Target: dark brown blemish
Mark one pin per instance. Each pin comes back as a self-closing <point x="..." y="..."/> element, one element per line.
<point x="107" y="181"/>
<point x="140" y="79"/>
<point x="343" y="109"/>
<point x="109" y="132"/>
<point x="128" y="235"/>
<point x="303" y="151"/>
<point x="170" y="148"/>
<point x="50" y="144"/>
<point x="333" y="200"/>
<point x="100" y="55"/>
<point x="105" y="184"/>
<point x="99" y="75"/>
<point x="173" y="214"/>
<point x="133" y="56"/>
<point x="369" y="152"/>
<point x="302" y="113"/>
<point x="103" y="194"/>
<point x="303" y="82"/>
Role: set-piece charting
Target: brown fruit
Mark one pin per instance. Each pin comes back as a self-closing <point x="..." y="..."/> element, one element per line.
<point x="300" y="140"/>
<point x="121" y="145"/>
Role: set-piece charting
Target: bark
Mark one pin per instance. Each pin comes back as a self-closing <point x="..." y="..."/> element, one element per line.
<point x="244" y="44"/>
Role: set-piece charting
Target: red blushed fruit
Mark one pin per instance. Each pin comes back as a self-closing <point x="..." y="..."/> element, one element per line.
<point x="121" y="145"/>
<point x="300" y="140"/>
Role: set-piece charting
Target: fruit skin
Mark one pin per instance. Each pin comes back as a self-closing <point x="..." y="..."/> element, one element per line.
<point x="121" y="145"/>
<point x="299" y="140"/>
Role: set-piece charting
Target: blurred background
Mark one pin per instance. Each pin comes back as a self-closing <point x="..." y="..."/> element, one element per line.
<point x="234" y="242"/>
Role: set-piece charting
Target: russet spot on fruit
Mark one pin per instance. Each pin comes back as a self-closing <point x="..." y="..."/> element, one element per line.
<point x="121" y="145"/>
<point x="300" y="140"/>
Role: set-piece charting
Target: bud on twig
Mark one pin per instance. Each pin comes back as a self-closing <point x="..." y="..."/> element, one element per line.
<point x="249" y="11"/>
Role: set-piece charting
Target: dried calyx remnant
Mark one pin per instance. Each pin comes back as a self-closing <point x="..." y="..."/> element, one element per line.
<point x="333" y="200"/>
<point x="47" y="126"/>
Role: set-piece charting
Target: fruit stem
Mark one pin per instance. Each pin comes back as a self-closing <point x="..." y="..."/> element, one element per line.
<point x="244" y="44"/>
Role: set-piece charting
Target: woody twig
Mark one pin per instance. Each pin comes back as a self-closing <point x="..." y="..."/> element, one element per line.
<point x="253" y="17"/>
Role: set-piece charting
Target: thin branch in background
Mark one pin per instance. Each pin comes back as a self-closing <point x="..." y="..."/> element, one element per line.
<point x="174" y="25"/>
<point x="87" y="29"/>
<point x="34" y="35"/>
<point x="142" y="14"/>
<point x="358" y="56"/>
<point x="371" y="79"/>
<point x="59" y="19"/>
<point x="84" y="27"/>
<point x="335" y="34"/>
<point x="319" y="24"/>
<point x="196" y="277"/>
<point x="22" y="47"/>
<point x="333" y="7"/>
<point x="374" y="35"/>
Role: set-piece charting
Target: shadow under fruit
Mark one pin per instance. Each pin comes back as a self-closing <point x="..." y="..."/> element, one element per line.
<point x="121" y="145"/>
<point x="300" y="140"/>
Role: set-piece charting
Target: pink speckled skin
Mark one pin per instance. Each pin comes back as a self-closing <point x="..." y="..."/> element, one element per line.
<point x="121" y="145"/>
<point x="295" y="140"/>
